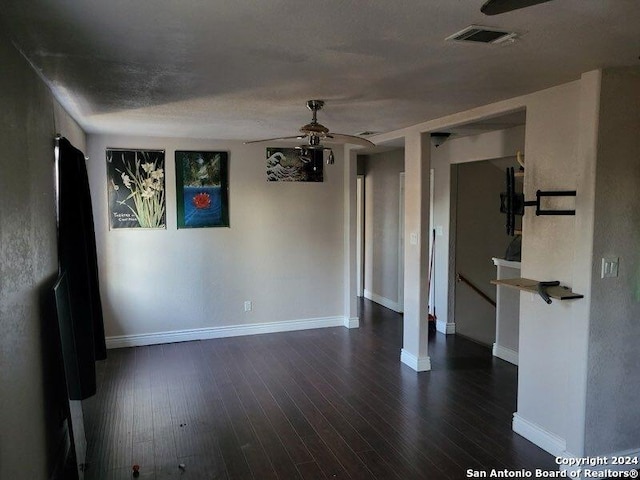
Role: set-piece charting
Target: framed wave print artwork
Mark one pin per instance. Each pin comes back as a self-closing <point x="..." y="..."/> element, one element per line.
<point x="294" y="165"/>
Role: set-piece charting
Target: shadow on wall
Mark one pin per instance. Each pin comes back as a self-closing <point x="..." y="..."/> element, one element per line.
<point x="56" y="402"/>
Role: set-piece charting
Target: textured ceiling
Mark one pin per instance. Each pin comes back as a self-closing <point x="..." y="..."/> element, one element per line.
<point x="243" y="69"/>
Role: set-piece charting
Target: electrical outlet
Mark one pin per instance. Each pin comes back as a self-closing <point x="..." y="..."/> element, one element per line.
<point x="609" y="267"/>
<point x="248" y="306"/>
<point x="413" y="238"/>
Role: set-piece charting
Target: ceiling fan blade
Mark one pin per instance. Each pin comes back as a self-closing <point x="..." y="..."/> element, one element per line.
<point x="299" y="137"/>
<point x="342" y="138"/>
<point x="496" y="7"/>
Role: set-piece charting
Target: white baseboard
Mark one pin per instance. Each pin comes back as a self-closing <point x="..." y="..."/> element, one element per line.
<point x="121" y="341"/>
<point x="422" y="364"/>
<point x="385" y="302"/>
<point x="353" y="322"/>
<point x="546" y="440"/>
<point x="505" y="354"/>
<point x="447" y="328"/>
<point x="578" y="470"/>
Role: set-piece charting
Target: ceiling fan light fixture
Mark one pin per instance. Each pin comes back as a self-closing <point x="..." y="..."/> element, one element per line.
<point x="315" y="133"/>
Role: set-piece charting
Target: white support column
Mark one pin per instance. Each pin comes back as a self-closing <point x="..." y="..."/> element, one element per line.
<point x="351" y="319"/>
<point x="416" y="264"/>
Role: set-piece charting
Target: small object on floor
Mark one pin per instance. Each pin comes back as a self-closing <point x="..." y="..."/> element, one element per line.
<point x="136" y="471"/>
<point x="182" y="467"/>
<point x="432" y="323"/>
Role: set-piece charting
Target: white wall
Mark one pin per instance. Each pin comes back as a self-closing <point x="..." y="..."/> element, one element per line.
<point x="551" y="163"/>
<point x="382" y="203"/>
<point x="283" y="251"/>
<point x="417" y="211"/>
<point x="31" y="409"/>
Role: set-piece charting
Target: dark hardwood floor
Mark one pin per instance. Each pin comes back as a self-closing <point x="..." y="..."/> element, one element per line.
<point x="314" y="404"/>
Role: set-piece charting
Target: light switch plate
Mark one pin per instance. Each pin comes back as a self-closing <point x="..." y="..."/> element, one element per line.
<point x="413" y="239"/>
<point x="609" y="267"/>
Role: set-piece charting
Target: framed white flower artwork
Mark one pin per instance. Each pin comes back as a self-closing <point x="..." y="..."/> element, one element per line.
<point x="136" y="185"/>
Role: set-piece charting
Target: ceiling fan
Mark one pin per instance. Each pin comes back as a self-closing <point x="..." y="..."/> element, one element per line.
<point x="496" y="7"/>
<point x="315" y="133"/>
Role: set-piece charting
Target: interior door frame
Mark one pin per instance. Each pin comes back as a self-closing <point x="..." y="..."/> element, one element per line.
<point x="360" y="197"/>
<point x="401" y="243"/>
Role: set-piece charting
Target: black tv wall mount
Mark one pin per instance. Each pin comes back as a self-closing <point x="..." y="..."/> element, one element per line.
<point x="512" y="203"/>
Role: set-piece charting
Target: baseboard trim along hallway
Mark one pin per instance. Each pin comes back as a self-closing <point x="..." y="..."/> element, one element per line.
<point x="139" y="340"/>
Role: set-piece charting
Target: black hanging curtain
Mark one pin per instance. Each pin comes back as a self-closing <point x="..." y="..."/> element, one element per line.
<point x="78" y="262"/>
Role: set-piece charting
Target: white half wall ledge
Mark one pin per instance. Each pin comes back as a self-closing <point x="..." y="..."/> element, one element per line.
<point x="422" y="364"/>
<point x="501" y="262"/>
<point x="385" y="302"/>
<point x="505" y="354"/>
<point x="578" y="471"/>
<point x="139" y="340"/>
<point x="543" y="438"/>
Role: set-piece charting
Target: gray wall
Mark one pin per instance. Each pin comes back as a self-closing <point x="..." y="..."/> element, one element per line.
<point x="382" y="190"/>
<point x="30" y="413"/>
<point x="613" y="379"/>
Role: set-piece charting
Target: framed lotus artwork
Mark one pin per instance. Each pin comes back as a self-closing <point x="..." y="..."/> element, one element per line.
<point x="202" y="189"/>
<point x="136" y="188"/>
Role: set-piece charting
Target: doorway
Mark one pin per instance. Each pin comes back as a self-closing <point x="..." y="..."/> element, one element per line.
<point x="381" y="227"/>
<point x="480" y="236"/>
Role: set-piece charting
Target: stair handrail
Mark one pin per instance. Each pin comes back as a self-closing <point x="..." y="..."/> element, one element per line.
<point x="462" y="278"/>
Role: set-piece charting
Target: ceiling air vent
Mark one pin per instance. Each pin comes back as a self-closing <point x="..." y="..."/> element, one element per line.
<point x="478" y="34"/>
